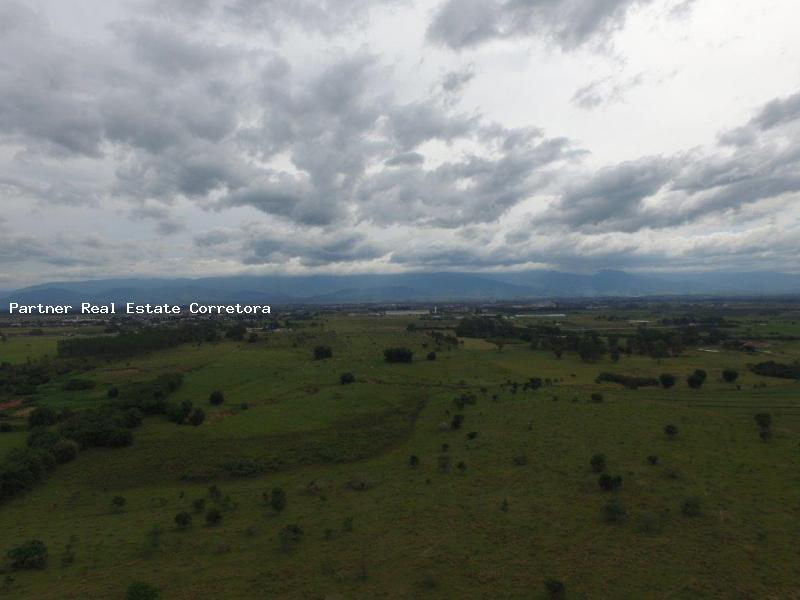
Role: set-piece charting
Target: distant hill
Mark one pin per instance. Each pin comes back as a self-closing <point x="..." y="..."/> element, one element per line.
<point x="404" y="287"/>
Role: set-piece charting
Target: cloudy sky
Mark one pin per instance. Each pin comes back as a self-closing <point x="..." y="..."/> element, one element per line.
<point x="204" y="137"/>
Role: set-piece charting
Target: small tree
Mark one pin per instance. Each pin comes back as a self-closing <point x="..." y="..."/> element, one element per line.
<point x="456" y="422"/>
<point x="196" y="417"/>
<point x="30" y="555"/>
<point x="596" y="397"/>
<point x="413" y="461"/>
<point x="216" y="398"/>
<point x="652" y="459"/>
<point x="113" y="392"/>
<point x="730" y="375"/>
<point x="41" y="416"/>
<point x="431" y="356"/>
<point x="695" y="381"/>
<point x="118" y="502"/>
<point x="277" y="499"/>
<point x="598" y="463"/>
<point x="667" y="380"/>
<point x="609" y="483"/>
<point x="763" y="420"/>
<point x="555" y="588"/>
<point x="139" y="590"/>
<point x="183" y="519"/>
<point x="213" y="517"/>
<point x="670" y="430"/>
<point x="65" y="450"/>
<point x="322" y="352"/>
<point x="346" y="378"/>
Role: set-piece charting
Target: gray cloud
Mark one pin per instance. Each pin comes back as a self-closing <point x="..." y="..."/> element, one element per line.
<point x="567" y="23"/>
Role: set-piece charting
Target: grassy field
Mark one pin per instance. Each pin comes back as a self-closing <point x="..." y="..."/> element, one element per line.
<point x="490" y="515"/>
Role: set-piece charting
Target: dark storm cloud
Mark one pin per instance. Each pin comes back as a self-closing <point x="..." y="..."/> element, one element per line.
<point x="567" y="23"/>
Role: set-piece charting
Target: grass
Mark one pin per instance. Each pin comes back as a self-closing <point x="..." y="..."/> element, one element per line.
<point x="496" y="529"/>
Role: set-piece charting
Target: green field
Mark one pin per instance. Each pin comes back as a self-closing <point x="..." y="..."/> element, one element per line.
<point x="516" y="504"/>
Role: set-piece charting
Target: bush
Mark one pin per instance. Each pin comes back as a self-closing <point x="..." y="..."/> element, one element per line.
<point x="196" y="417"/>
<point x="216" y="398"/>
<point x="695" y="381"/>
<point x="671" y="431"/>
<point x="765" y="435"/>
<point x="113" y="392"/>
<point x="456" y="422"/>
<point x="183" y="519"/>
<point x="596" y="397"/>
<point x="555" y="588"/>
<point x="322" y="352"/>
<point x="730" y="375"/>
<point x="667" y="380"/>
<point x="763" y="420"/>
<point x="627" y="380"/>
<point x="431" y="356"/>
<point x="774" y="369"/>
<point x="277" y="499"/>
<point x="42" y="416"/>
<point x="140" y="590"/>
<point x="213" y="517"/>
<point x="614" y="511"/>
<point x="691" y="507"/>
<point x="132" y="417"/>
<point x="610" y="483"/>
<point x="346" y="378"/>
<point x="598" y="463"/>
<point x="413" y="461"/>
<point x="30" y="555"/>
<point x="65" y="450"/>
<point x="652" y="459"/>
<point x="6" y="427"/>
<point x="118" y="502"/>
<point x="398" y="355"/>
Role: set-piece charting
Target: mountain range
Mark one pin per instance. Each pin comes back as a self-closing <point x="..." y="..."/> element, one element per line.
<point x="404" y="287"/>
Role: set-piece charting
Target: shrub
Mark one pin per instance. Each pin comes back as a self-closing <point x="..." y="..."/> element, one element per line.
<point x="626" y="380"/>
<point x="290" y="534"/>
<point x="113" y="392"/>
<point x="667" y="380"/>
<point x="730" y="375"/>
<point x="695" y="381"/>
<point x="139" y="590"/>
<point x="610" y="483"/>
<point x="213" y="517"/>
<point x="774" y="369"/>
<point x="41" y="416"/>
<point x="322" y="352"/>
<point x="346" y="378"/>
<point x="65" y="450"/>
<point x="456" y="422"/>
<point x="765" y="435"/>
<point x="670" y="430"/>
<point x="763" y="420"/>
<point x="196" y="417"/>
<point x="183" y="519"/>
<point x="555" y="588"/>
<point x="652" y="459"/>
<point x="6" y="427"/>
<point x="30" y="555"/>
<point x="598" y="463"/>
<point x="431" y="356"/>
<point x="614" y="511"/>
<point x="243" y="467"/>
<point x="277" y="499"/>
<point x="199" y="505"/>
<point x="701" y="374"/>
<point x="520" y="460"/>
<point x="118" y="502"/>
<point x="413" y="461"/>
<point x="472" y="435"/>
<point x="132" y="418"/>
<point x="216" y="398"/>
<point x="691" y="507"/>
<point x="596" y="397"/>
<point x="398" y="355"/>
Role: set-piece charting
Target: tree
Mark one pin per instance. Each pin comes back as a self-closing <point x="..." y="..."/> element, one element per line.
<point x="413" y="461"/>
<point x="346" y="378"/>
<point x="398" y="355"/>
<point x="695" y="381"/>
<point x="65" y="450"/>
<point x="139" y="590"/>
<point x="730" y="375"/>
<point x="277" y="499"/>
<point x="41" y="416"/>
<point x="456" y="422"/>
<point x="671" y="431"/>
<point x="236" y="332"/>
<point x="667" y="380"/>
<point x="609" y="483"/>
<point x="183" y="519"/>
<point x="213" y="517"/>
<point x="216" y="398"/>
<point x="30" y="555"/>
<point x="598" y="463"/>
<point x="763" y="420"/>
<point x="322" y="352"/>
<point x="196" y="417"/>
